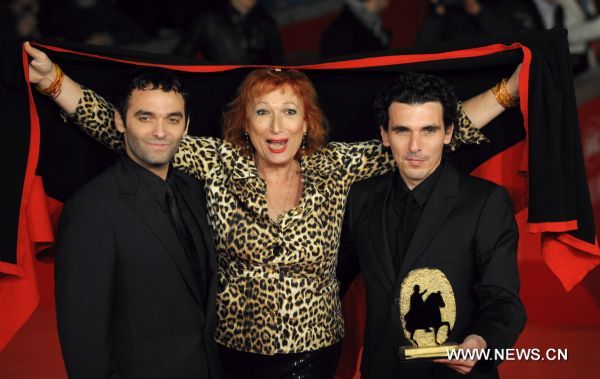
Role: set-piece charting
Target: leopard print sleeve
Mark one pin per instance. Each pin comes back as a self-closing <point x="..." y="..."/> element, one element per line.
<point x="360" y="160"/>
<point x="197" y="156"/>
<point x="366" y="159"/>
<point x="96" y="117"/>
<point x="466" y="133"/>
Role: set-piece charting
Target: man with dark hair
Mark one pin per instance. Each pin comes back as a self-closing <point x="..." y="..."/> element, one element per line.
<point x="135" y="263"/>
<point x="428" y="228"/>
<point x="153" y="79"/>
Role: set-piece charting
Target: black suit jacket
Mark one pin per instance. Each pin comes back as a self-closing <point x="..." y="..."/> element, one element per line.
<point x="127" y="303"/>
<point x="468" y="231"/>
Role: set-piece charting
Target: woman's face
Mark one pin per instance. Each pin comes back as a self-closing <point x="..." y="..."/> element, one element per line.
<point x="276" y="123"/>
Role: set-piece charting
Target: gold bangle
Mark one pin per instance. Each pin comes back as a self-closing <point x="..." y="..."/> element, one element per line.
<point x="503" y="96"/>
<point x="54" y="88"/>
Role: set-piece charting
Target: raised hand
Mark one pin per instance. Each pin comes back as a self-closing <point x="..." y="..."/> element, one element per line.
<point x="43" y="72"/>
<point x="41" y="69"/>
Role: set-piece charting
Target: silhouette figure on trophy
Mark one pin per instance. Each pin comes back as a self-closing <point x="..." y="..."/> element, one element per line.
<point x="426" y="314"/>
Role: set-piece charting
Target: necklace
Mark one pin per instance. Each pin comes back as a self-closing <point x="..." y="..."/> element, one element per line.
<point x="287" y="202"/>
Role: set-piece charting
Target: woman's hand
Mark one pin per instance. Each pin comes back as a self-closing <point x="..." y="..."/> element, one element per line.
<point x="41" y="69"/>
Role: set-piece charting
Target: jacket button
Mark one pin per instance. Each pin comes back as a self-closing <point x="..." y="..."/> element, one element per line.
<point x="277" y="250"/>
<point x="397" y="301"/>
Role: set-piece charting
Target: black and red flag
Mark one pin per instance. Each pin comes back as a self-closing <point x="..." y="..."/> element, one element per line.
<point x="535" y="150"/>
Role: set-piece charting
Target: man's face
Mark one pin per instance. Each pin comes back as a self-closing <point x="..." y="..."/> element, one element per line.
<point x="154" y="126"/>
<point x="416" y="136"/>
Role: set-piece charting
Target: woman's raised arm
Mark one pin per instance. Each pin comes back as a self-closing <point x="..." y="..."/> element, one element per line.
<point x="43" y="73"/>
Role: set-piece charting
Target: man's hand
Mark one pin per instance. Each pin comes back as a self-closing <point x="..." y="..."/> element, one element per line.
<point x="464" y="366"/>
<point x="41" y="69"/>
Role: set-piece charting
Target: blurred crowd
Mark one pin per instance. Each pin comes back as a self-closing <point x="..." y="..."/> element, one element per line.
<point x="451" y="20"/>
<point x="243" y="32"/>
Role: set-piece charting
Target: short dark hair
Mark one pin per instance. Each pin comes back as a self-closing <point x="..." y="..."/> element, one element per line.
<point x="153" y="79"/>
<point x="416" y="88"/>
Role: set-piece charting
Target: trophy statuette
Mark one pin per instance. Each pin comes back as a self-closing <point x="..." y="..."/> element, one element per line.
<point x="427" y="313"/>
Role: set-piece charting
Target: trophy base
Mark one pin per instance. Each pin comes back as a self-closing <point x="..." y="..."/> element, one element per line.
<point x="426" y="352"/>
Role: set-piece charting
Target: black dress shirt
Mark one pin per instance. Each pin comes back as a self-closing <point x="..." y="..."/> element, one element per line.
<point x="404" y="210"/>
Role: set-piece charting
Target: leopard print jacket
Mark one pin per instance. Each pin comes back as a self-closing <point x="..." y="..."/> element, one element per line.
<point x="278" y="291"/>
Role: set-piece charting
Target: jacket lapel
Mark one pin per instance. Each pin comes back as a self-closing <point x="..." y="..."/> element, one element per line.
<point x="377" y="226"/>
<point x="441" y="201"/>
<point x="245" y="185"/>
<point x="315" y="191"/>
<point x="139" y="199"/>
<point x="194" y="199"/>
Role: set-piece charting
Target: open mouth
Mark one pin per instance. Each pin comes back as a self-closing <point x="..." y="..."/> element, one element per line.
<point x="278" y="145"/>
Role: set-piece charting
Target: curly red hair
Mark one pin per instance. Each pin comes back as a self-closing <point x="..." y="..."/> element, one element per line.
<point x="262" y="81"/>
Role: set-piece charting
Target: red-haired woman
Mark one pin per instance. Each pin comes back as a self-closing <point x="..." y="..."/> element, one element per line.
<point x="276" y="193"/>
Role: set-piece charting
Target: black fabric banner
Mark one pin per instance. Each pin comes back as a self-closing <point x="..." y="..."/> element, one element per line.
<point x="541" y="138"/>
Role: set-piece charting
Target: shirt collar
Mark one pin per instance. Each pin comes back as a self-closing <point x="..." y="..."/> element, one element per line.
<point x="154" y="183"/>
<point x="421" y="192"/>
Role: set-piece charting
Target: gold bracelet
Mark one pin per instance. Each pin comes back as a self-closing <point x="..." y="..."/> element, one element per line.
<point x="54" y="88"/>
<point x="503" y="96"/>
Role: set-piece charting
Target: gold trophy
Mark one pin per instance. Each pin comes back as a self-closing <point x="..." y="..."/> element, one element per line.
<point x="427" y="314"/>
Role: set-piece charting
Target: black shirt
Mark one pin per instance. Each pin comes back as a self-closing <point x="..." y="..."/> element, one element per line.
<point x="404" y="210"/>
<point x="155" y="184"/>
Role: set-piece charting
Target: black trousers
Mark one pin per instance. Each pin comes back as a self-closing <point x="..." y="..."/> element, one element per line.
<point x="316" y="364"/>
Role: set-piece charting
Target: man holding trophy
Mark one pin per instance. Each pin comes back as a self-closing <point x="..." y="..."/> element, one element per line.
<point x="437" y="247"/>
